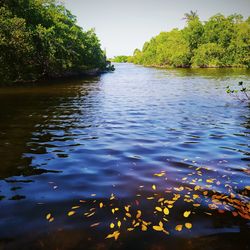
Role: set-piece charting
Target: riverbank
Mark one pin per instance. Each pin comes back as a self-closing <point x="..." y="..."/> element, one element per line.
<point x="194" y="67"/>
<point x="69" y="75"/>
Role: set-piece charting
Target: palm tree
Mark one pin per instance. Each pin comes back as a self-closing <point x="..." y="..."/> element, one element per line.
<point x="190" y="16"/>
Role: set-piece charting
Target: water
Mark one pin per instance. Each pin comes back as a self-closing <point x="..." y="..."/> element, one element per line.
<point x="138" y="138"/>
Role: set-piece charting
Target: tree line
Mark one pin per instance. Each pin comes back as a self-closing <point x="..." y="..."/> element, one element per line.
<point x="40" y="39"/>
<point x="219" y="42"/>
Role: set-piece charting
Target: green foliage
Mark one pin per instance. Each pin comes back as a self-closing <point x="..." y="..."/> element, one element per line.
<point x="219" y="42"/>
<point x="120" y="59"/>
<point x="208" y="55"/>
<point x="40" y="38"/>
<point x="241" y="93"/>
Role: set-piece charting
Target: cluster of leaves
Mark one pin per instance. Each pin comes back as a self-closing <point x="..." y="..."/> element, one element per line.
<point x="167" y="209"/>
<point x="219" y="42"/>
<point x="40" y="38"/>
<point x="121" y="59"/>
<point x="241" y="94"/>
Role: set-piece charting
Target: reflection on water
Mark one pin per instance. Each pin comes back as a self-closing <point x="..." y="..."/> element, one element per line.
<point x="79" y="160"/>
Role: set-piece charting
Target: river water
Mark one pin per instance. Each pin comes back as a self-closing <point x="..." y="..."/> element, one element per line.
<point x="149" y="158"/>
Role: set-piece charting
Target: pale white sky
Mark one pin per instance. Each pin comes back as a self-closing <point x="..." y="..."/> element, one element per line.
<point x="123" y="25"/>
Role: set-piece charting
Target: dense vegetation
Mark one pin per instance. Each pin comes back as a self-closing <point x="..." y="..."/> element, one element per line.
<point x="40" y="38"/>
<point x="219" y="42"/>
<point x="121" y="59"/>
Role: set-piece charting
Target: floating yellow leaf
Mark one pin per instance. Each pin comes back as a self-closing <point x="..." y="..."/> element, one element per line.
<point x="196" y="205"/>
<point x="112" y="197"/>
<point x="101" y="204"/>
<point x="75" y="207"/>
<point x="95" y="224"/>
<point x="119" y="224"/>
<point x="166" y="211"/>
<point x="158" y="209"/>
<point x="186" y="213"/>
<point x="128" y="215"/>
<point x="48" y="216"/>
<point x="112" y="225"/>
<point x="130" y="229"/>
<point x="127" y="208"/>
<point x="209" y="181"/>
<point x="153" y="187"/>
<point x="195" y="196"/>
<point x="178" y="228"/>
<point x="160" y="174"/>
<point x="70" y="213"/>
<point x="89" y="215"/>
<point x="138" y="214"/>
<point x="51" y="219"/>
<point x="113" y="235"/>
<point x="188" y="225"/>
<point x="179" y="188"/>
<point x="150" y="198"/>
<point x="143" y="227"/>
<point x="157" y="228"/>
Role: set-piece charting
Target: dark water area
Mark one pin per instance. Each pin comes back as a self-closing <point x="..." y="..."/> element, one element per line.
<point x="149" y="158"/>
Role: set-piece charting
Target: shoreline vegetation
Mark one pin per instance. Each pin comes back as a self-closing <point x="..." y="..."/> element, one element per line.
<point x="220" y="42"/>
<point x="39" y="39"/>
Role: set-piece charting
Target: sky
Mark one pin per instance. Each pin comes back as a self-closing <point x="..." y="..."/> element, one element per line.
<point x="124" y="25"/>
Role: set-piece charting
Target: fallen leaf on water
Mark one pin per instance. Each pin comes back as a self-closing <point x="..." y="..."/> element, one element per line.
<point x="51" y="219"/>
<point x="208" y="213"/>
<point x="95" y="224"/>
<point x="112" y="225"/>
<point x="209" y="181"/>
<point x="70" y="213"/>
<point x="89" y="215"/>
<point x="113" y="235"/>
<point x="101" y="205"/>
<point x="119" y="224"/>
<point x="160" y="174"/>
<point x="128" y="215"/>
<point x="166" y="211"/>
<point x="157" y="228"/>
<point x="188" y="225"/>
<point x="179" y="188"/>
<point x="127" y="208"/>
<point x="158" y="209"/>
<point x="153" y="187"/>
<point x="195" y="196"/>
<point x="138" y="214"/>
<point x="196" y="205"/>
<point x="143" y="227"/>
<point x="75" y="207"/>
<point x="178" y="228"/>
<point x="150" y="198"/>
<point x="186" y="213"/>
<point x="48" y="216"/>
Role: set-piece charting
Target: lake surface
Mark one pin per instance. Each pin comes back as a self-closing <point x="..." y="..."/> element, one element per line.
<point x="162" y="154"/>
